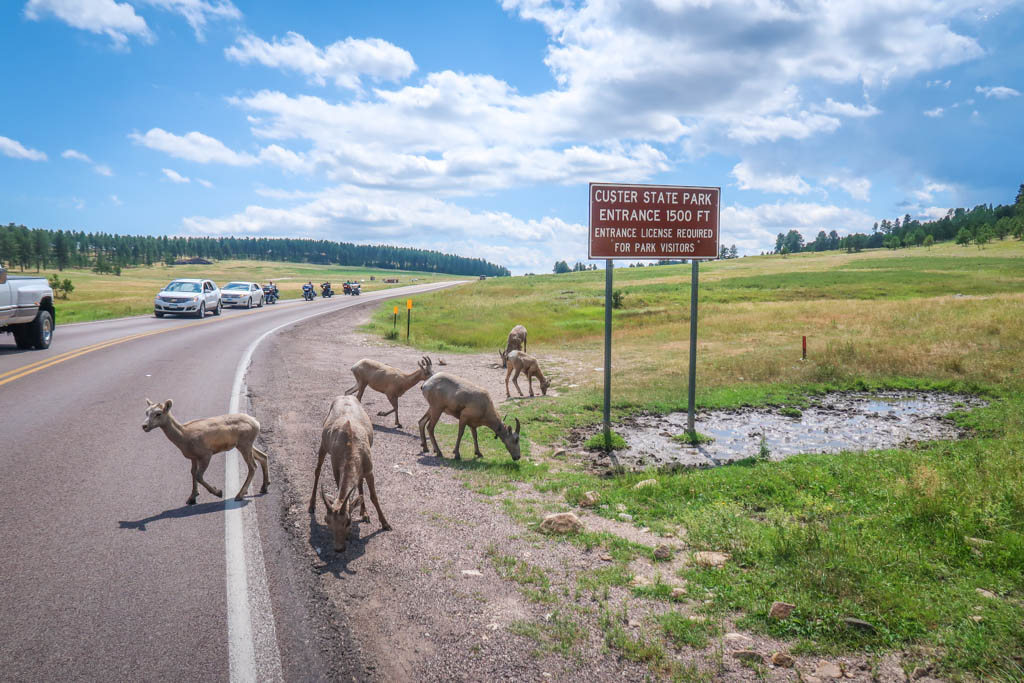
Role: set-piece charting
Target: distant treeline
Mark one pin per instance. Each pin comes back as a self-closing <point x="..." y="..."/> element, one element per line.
<point x="41" y="249"/>
<point x="979" y="225"/>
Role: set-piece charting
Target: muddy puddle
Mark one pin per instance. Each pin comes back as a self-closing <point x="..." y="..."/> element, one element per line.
<point x="831" y="424"/>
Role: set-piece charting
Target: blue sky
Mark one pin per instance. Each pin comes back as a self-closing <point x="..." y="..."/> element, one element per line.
<point x="474" y="127"/>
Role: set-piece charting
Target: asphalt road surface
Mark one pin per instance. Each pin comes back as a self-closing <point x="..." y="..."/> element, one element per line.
<point x="105" y="573"/>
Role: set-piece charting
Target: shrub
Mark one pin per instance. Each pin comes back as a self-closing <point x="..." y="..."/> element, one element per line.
<point x="617" y="296"/>
<point x="597" y="442"/>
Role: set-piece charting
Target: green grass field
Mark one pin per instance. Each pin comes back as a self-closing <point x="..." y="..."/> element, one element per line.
<point x="98" y="297"/>
<point x="882" y="536"/>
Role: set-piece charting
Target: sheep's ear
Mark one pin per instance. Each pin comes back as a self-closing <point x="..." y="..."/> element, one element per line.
<point x="167" y="404"/>
<point x="354" y="504"/>
<point x="323" y="496"/>
<point x="517" y="425"/>
<point x="148" y="403"/>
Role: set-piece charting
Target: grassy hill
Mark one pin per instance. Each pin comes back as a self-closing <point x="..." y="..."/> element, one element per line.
<point x="883" y="536"/>
<point x="97" y="297"/>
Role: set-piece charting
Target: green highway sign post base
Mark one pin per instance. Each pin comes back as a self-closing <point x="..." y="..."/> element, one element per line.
<point x="652" y="222"/>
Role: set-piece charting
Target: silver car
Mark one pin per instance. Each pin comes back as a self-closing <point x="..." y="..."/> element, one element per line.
<point x="242" y="294"/>
<point x="188" y="296"/>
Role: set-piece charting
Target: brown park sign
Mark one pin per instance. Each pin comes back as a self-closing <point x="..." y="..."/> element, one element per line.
<point x="653" y="221"/>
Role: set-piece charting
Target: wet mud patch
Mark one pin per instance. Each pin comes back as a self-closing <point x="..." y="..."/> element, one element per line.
<point x="832" y="423"/>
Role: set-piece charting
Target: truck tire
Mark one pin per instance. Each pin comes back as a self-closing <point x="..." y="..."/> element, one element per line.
<point x="36" y="334"/>
<point x="158" y="314"/>
<point x="201" y="313"/>
<point x="217" y="310"/>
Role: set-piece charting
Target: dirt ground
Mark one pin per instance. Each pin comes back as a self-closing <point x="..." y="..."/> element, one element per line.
<point x="425" y="601"/>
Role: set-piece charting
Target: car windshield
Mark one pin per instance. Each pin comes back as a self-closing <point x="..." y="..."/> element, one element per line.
<point x="179" y="286"/>
<point x="237" y="285"/>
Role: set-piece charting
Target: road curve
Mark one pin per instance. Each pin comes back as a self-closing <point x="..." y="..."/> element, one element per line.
<point x="106" y="573"/>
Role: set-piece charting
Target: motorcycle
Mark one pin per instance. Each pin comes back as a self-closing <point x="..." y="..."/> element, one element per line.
<point x="356" y="289"/>
<point x="269" y="295"/>
<point x="347" y="288"/>
<point x="326" y="290"/>
<point x="307" y="292"/>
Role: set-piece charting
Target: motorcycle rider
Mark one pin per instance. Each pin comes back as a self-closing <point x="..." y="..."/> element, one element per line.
<point x="308" y="287"/>
<point x="325" y="287"/>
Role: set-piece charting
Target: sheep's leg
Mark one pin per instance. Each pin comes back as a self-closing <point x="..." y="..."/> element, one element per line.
<point x="515" y="380"/>
<point x="458" y="440"/>
<point x="508" y="394"/>
<point x="262" y="459"/>
<point x="199" y="466"/>
<point x="529" y="380"/>
<point x="430" y="427"/>
<point x="316" y="476"/>
<point x="476" y="444"/>
<point x="376" y="503"/>
<point x="394" y="409"/>
<point x="423" y="437"/>
<point x="195" y="486"/>
<point x="247" y="456"/>
<point x="362" y="503"/>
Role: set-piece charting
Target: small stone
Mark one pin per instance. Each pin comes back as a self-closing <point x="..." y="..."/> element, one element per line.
<point x="985" y="594"/>
<point x="620" y="507"/>
<point x="625" y="517"/>
<point x="976" y="542"/>
<point x="828" y="670"/>
<point x="645" y="483"/>
<point x="918" y="672"/>
<point x="640" y="581"/>
<point x="678" y="594"/>
<point x="561" y="523"/>
<point x="783" y="660"/>
<point x="559" y="452"/>
<point x="589" y="499"/>
<point x="977" y="619"/>
<point x="749" y="656"/>
<point x="471" y="572"/>
<point x="711" y="558"/>
<point x="736" y="637"/>
<point x="781" y="610"/>
<point x="644" y="529"/>
<point x="606" y="558"/>
<point x="662" y="552"/>
<point x="603" y="507"/>
<point x="633" y="623"/>
<point x="858" y="624"/>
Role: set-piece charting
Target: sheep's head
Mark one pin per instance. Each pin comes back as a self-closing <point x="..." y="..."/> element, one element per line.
<point x="544" y="384"/>
<point x="339" y="517"/>
<point x="504" y="358"/>
<point x="426" y="368"/>
<point x="510" y="439"/>
<point x="156" y="414"/>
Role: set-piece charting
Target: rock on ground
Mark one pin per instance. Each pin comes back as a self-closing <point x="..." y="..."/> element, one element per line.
<point x="561" y="523"/>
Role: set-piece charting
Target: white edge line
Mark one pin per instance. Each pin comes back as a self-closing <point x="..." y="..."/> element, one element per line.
<point x="241" y="653"/>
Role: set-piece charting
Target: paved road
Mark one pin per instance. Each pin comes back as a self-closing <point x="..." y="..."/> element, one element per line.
<point x="106" y="574"/>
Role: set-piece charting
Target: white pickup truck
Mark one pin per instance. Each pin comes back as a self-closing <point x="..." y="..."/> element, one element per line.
<point x="26" y="310"/>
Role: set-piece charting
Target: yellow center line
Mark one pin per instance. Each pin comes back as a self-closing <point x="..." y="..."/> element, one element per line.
<point x="31" y="368"/>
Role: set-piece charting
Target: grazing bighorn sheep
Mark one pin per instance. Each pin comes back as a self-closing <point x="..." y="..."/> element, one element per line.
<point x="516" y="340"/>
<point x="519" y="361"/>
<point x="200" y="440"/>
<point x="472" y="406"/>
<point x="347" y="435"/>
<point x="389" y="381"/>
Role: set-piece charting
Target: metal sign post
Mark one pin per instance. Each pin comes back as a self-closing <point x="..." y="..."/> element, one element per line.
<point x="652" y="222"/>
<point x="408" y="318"/>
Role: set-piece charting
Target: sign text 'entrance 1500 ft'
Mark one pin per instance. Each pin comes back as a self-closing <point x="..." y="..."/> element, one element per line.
<point x="653" y="222"/>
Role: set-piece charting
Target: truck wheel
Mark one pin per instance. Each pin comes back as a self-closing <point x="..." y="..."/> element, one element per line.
<point x="216" y="311"/>
<point x="201" y="313"/>
<point x="36" y="334"/>
<point x="158" y="314"/>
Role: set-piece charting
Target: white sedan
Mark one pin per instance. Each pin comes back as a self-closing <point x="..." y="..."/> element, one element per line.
<point x="242" y="294"/>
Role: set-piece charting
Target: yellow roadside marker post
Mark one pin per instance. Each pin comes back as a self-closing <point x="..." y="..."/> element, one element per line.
<point x="408" y="318"/>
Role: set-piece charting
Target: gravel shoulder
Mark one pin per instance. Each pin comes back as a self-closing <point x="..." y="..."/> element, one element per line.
<point x="460" y="589"/>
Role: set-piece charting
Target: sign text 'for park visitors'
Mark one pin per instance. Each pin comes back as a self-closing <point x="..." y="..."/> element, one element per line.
<point x="653" y="221"/>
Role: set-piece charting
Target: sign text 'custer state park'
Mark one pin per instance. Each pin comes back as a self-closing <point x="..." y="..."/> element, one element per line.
<point x="653" y="221"/>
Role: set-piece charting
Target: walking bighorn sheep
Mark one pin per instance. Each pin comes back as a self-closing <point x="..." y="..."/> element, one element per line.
<point x="471" y="405"/>
<point x="200" y="440"/>
<point x="519" y="361"/>
<point x="389" y="381"/>
<point x="347" y="435"/>
<point x="516" y="340"/>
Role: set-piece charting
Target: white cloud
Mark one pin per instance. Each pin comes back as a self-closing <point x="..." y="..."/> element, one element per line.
<point x="932" y="212"/>
<point x="75" y="154"/>
<point x="751" y="228"/>
<point x="785" y="184"/>
<point x="930" y="189"/>
<point x="204" y="183"/>
<point x="103" y="169"/>
<point x="938" y="84"/>
<point x="197" y="12"/>
<point x="115" y="201"/>
<point x="848" y="109"/>
<point x="174" y="176"/>
<point x="13" y="148"/>
<point x="117" y="20"/>
<point x="934" y="113"/>
<point x="1000" y="92"/>
<point x="193" y="146"/>
<point x="344" y="62"/>
<point x="858" y="188"/>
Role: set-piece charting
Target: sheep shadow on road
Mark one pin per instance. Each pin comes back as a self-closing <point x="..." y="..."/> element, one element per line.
<point x="182" y="512"/>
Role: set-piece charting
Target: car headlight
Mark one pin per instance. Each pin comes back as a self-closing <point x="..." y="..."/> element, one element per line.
<point x="195" y="298"/>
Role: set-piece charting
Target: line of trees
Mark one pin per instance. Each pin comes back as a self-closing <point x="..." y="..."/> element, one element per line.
<point x="984" y="223"/>
<point x="42" y="249"/>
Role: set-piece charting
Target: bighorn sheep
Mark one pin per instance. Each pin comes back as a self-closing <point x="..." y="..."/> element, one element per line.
<point x="347" y="435"/>
<point x="519" y="361"/>
<point x="516" y="340"/>
<point x="389" y="381"/>
<point x="472" y="406"/>
<point x="200" y="440"/>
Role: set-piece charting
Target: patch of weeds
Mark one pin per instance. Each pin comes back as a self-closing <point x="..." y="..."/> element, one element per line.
<point x="683" y="631"/>
<point x="636" y="649"/>
<point x="491" y="488"/>
<point x="391" y="335"/>
<point x="790" y="411"/>
<point x="523" y="511"/>
<point x="597" y="580"/>
<point x="693" y="438"/>
<point x="559" y="633"/>
<point x="534" y="581"/>
<point x="597" y="442"/>
<point x="619" y="548"/>
<point x="762" y="450"/>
